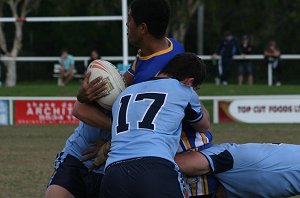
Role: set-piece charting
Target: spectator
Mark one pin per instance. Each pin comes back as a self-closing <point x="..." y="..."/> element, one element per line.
<point x="227" y="48"/>
<point x="245" y="64"/>
<point x="272" y="56"/>
<point x="67" y="67"/>
<point x="81" y="69"/>
<point x="94" y="56"/>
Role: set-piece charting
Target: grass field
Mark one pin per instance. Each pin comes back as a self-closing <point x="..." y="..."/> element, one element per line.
<point x="28" y="152"/>
<point x="50" y="89"/>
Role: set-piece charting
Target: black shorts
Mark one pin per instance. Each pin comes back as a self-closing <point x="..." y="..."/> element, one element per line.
<point x="72" y="175"/>
<point x="146" y="177"/>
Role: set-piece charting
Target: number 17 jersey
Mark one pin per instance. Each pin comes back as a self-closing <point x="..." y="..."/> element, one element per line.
<point x="147" y="119"/>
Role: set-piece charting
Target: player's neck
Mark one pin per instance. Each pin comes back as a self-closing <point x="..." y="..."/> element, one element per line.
<point x="153" y="45"/>
<point x="162" y="75"/>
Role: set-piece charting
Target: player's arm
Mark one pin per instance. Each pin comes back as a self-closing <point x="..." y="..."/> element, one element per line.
<point x="128" y="78"/>
<point x="91" y="91"/>
<point x="192" y="163"/>
<point x="196" y="114"/>
<point x="92" y="116"/>
<point x="204" y="123"/>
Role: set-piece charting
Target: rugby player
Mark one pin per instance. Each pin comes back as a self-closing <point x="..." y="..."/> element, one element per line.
<point x="147" y="24"/>
<point x="147" y="125"/>
<point x="248" y="170"/>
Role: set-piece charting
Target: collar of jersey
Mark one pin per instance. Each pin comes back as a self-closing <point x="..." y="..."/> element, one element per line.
<point x="157" y="78"/>
<point x="157" y="53"/>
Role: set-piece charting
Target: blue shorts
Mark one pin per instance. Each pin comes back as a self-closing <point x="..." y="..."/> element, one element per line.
<point x="245" y="65"/>
<point x="72" y="175"/>
<point x="146" y="177"/>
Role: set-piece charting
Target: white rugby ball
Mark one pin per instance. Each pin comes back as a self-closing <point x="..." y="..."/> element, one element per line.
<point x="114" y="79"/>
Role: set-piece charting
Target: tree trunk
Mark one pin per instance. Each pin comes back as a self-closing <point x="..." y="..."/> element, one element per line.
<point x="180" y="21"/>
<point x="11" y="74"/>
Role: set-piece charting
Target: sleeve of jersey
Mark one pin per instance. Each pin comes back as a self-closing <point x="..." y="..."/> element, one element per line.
<point x="193" y="111"/>
<point x="132" y="68"/>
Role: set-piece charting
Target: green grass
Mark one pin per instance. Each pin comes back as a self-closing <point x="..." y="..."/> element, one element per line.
<point x="51" y="89"/>
<point x="28" y="152"/>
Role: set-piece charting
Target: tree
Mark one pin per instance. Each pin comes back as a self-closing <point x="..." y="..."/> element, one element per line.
<point x="181" y="17"/>
<point x="19" y="10"/>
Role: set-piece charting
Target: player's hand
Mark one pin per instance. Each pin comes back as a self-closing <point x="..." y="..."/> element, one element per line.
<point x="101" y="156"/>
<point x="92" y="91"/>
<point x="220" y="192"/>
<point x="92" y="153"/>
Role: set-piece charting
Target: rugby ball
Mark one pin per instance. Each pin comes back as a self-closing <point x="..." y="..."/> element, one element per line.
<point x="114" y="79"/>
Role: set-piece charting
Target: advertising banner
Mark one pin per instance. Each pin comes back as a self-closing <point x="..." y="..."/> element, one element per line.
<point x="260" y="111"/>
<point x="4" y="112"/>
<point x="44" y="112"/>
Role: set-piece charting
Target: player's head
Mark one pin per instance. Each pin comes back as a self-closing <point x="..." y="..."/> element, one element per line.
<point x="147" y="17"/>
<point x="187" y="68"/>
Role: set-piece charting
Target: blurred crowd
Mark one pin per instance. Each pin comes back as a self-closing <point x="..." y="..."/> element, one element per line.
<point x="222" y="58"/>
<point x="230" y="46"/>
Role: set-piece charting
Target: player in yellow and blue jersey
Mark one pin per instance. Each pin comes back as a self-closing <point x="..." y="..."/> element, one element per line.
<point x="195" y="141"/>
<point x="147" y="124"/>
<point x="145" y="67"/>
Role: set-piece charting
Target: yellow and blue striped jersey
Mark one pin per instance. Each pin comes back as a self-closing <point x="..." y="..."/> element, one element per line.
<point x="145" y="67"/>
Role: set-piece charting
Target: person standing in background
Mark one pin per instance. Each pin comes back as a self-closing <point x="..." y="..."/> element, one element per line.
<point x="227" y="48"/>
<point x="94" y="56"/>
<point x="245" y="64"/>
<point x="67" y="67"/>
<point x="272" y="56"/>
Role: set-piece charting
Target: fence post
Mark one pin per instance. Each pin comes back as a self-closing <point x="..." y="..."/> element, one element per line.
<point x="124" y="32"/>
<point x="270" y="75"/>
<point x="216" y="111"/>
<point x="11" y="111"/>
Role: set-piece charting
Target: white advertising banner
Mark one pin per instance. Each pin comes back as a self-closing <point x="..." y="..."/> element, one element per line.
<point x="265" y="110"/>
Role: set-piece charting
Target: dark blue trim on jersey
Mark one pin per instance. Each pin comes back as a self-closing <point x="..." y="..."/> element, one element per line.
<point x="222" y="162"/>
<point x="191" y="115"/>
<point x="158" y="78"/>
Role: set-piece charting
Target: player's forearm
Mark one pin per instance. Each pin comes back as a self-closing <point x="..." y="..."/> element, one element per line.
<point x="204" y="123"/>
<point x="91" y="115"/>
<point x="192" y="163"/>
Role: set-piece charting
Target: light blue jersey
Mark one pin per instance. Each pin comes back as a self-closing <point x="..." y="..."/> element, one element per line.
<point x="80" y="141"/>
<point x="67" y="62"/>
<point x="147" y="119"/>
<point x="256" y="170"/>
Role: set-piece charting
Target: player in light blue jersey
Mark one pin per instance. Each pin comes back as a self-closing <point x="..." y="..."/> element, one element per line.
<point x="146" y="130"/>
<point x="248" y="170"/>
<point x="72" y="177"/>
<point x="147" y="23"/>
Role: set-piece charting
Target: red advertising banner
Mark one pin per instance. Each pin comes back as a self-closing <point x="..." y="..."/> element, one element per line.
<point x="44" y="112"/>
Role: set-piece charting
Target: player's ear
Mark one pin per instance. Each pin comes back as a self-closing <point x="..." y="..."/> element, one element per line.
<point x="188" y="81"/>
<point x="143" y="28"/>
